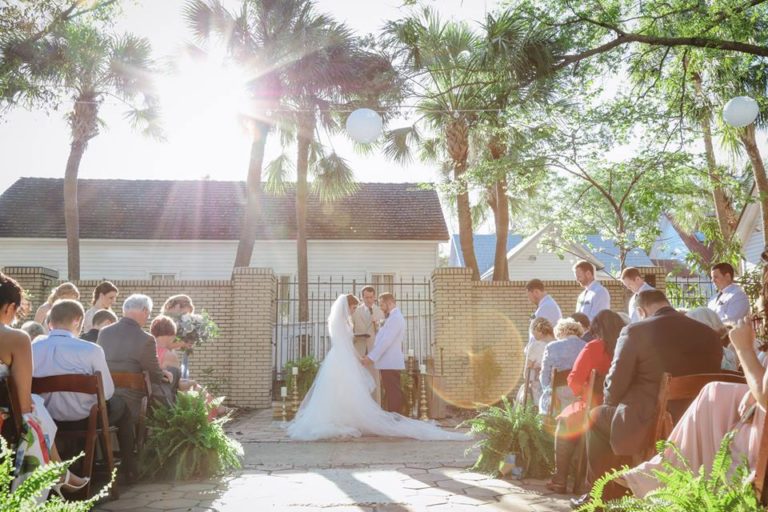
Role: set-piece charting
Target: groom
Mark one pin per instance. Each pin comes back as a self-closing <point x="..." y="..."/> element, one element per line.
<point x="387" y="354"/>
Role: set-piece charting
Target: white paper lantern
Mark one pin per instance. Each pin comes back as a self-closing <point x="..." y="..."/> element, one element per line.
<point x="364" y="125"/>
<point x="740" y="111"/>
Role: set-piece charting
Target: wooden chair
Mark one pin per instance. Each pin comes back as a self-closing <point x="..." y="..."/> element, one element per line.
<point x="559" y="379"/>
<point x="686" y="387"/>
<point x="594" y="389"/>
<point x="9" y="398"/>
<point x="97" y="421"/>
<point x="138" y="382"/>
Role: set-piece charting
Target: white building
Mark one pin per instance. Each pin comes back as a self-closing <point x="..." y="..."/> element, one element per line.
<point x="749" y="231"/>
<point x="151" y="229"/>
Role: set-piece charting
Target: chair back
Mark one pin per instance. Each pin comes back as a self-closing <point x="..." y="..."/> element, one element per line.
<point x="72" y="383"/>
<point x="135" y="381"/>
<point x="9" y="398"/>
<point x="684" y="387"/>
<point x="559" y="380"/>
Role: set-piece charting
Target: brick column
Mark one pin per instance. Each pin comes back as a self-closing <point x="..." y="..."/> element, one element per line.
<point x="454" y="321"/>
<point x="37" y="281"/>
<point x="655" y="276"/>
<point x="251" y="342"/>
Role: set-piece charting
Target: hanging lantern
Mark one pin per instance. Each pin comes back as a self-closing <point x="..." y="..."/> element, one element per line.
<point x="740" y="111"/>
<point x="364" y="125"/>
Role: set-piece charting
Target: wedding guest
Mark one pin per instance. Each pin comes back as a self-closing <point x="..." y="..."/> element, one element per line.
<point x="710" y="318"/>
<point x="60" y="353"/>
<point x="596" y="355"/>
<point x="665" y="341"/>
<point x="635" y="283"/>
<point x="543" y="334"/>
<point x="65" y="291"/>
<point x="33" y="329"/>
<point x="104" y="296"/>
<point x="387" y="354"/>
<point x="175" y="307"/>
<point x="546" y="307"/>
<point x="16" y="361"/>
<point x="720" y="408"/>
<point x="560" y="355"/>
<point x="365" y="323"/>
<point x="731" y="302"/>
<point x="99" y="321"/>
<point x="585" y="323"/>
<point x="594" y="298"/>
<point x="128" y="348"/>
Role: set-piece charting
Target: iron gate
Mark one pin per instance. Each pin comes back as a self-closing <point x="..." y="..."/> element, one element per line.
<point x="293" y="339"/>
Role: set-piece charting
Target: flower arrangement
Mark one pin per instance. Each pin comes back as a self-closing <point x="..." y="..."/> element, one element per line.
<point x="196" y="329"/>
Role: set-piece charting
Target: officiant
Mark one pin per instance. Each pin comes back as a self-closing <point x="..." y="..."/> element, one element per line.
<point x="365" y="320"/>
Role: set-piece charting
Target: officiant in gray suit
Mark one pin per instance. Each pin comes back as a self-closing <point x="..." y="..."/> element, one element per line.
<point x="365" y="320"/>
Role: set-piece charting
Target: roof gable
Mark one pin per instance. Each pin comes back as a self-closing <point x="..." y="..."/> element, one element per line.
<point x="485" y="249"/>
<point x="213" y="210"/>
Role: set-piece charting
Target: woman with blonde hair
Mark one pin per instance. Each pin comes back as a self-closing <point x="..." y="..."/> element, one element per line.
<point x="175" y="307"/>
<point x="560" y="355"/>
<point x="61" y="292"/>
<point x="708" y="317"/>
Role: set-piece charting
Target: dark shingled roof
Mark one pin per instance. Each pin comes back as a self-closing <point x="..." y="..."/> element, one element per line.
<point x="213" y="210"/>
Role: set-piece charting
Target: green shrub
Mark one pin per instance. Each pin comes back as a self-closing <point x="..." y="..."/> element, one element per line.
<point x="183" y="444"/>
<point x="308" y="367"/>
<point x="24" y="498"/>
<point x="511" y="429"/>
<point x="684" y="490"/>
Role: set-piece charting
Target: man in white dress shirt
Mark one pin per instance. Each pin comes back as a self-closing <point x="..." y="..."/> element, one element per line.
<point x="365" y="322"/>
<point x="595" y="297"/>
<point x="731" y="303"/>
<point x="635" y="283"/>
<point x="546" y="307"/>
<point x="61" y="353"/>
<point x="387" y="353"/>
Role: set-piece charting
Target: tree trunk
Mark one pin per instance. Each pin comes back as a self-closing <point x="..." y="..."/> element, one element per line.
<point x="252" y="212"/>
<point x="758" y="168"/>
<point x="726" y="216"/>
<point x="457" y="135"/>
<point x="71" y="213"/>
<point x="306" y="129"/>
<point x="501" y="219"/>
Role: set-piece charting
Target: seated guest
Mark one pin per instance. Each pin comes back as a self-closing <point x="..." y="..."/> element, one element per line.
<point x="61" y="353"/>
<point x="163" y="328"/>
<point x="104" y="296"/>
<point x="585" y="323"/>
<point x="65" y="291"/>
<point x="542" y="333"/>
<point x="662" y="341"/>
<point x="128" y="348"/>
<point x="33" y="329"/>
<point x="710" y="318"/>
<point x="596" y="355"/>
<point x="16" y="361"/>
<point x="561" y="355"/>
<point x="99" y="321"/>
<point x="720" y="408"/>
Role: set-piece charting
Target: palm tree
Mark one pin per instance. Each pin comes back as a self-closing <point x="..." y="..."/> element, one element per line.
<point x="92" y="66"/>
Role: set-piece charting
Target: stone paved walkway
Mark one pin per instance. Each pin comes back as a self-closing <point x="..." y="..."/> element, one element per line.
<point x="367" y="474"/>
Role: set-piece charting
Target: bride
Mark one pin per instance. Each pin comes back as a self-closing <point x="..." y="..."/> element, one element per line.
<point x="340" y="404"/>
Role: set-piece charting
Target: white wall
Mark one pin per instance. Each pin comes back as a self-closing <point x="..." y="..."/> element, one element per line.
<point x="136" y="259"/>
<point x="754" y="245"/>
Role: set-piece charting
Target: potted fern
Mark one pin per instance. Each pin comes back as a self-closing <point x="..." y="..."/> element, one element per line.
<point x="511" y="429"/>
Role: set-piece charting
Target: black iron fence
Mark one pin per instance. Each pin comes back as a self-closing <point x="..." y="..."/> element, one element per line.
<point x="293" y="339"/>
<point x="690" y="292"/>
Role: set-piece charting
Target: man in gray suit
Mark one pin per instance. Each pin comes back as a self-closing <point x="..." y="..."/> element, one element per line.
<point x="128" y="348"/>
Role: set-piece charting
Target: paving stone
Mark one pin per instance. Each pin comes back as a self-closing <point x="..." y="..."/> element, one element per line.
<point x="172" y="504"/>
<point x="125" y="504"/>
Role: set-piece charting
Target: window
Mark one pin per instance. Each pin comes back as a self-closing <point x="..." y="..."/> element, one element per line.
<point x="384" y="283"/>
<point x="162" y="277"/>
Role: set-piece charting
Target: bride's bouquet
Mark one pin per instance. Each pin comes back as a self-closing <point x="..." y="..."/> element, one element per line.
<point x="196" y="329"/>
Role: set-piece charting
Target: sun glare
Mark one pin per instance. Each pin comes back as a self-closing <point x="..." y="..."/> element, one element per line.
<point x="202" y="102"/>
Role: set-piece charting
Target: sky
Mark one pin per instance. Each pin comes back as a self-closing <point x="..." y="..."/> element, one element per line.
<point x="203" y="136"/>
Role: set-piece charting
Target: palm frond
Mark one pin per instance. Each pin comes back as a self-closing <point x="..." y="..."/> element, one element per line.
<point x="400" y="143"/>
<point x="278" y="173"/>
<point x="333" y="178"/>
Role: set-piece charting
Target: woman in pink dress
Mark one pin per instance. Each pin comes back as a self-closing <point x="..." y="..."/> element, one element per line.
<point x="720" y="408"/>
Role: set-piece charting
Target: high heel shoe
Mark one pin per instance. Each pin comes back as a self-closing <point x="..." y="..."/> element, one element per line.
<point x="66" y="486"/>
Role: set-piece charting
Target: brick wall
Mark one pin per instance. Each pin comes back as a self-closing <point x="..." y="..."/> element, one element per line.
<point x="239" y="362"/>
<point x="476" y="318"/>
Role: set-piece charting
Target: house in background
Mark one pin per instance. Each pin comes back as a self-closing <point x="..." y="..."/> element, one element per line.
<point x="528" y="257"/>
<point x="673" y="245"/>
<point x="152" y="229"/>
<point x="749" y="232"/>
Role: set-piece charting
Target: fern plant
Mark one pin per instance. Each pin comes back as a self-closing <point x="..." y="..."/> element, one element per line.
<point x="183" y="444"/>
<point x="684" y="490"/>
<point x="26" y="496"/>
<point x="511" y="429"/>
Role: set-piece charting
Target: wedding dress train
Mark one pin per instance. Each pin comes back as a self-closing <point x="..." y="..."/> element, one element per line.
<point x="339" y="403"/>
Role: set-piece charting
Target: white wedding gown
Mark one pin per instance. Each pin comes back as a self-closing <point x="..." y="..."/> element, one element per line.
<point x="339" y="403"/>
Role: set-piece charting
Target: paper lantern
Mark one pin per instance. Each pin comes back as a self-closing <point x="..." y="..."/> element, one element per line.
<point x="364" y="125"/>
<point x="740" y="111"/>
